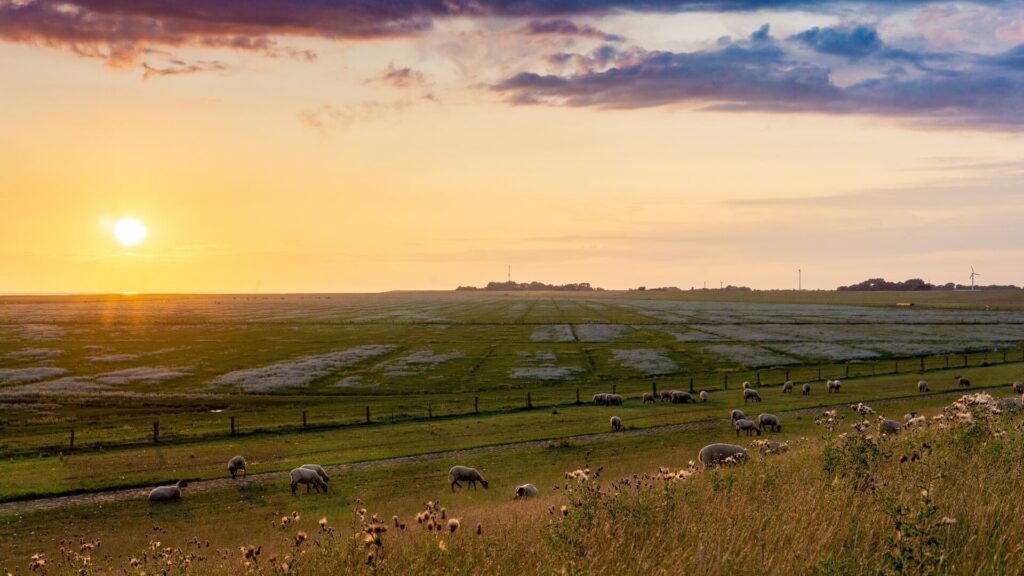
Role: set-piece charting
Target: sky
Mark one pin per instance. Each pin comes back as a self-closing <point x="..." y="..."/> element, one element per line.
<point x="350" y="146"/>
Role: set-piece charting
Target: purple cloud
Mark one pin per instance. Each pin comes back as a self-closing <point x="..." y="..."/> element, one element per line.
<point x="563" y="27"/>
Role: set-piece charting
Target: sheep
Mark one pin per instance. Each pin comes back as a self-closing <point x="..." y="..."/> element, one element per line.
<point x="964" y="382"/>
<point x="862" y="409"/>
<point x="1013" y="404"/>
<point x="465" y="474"/>
<point x="601" y="399"/>
<point x="737" y="415"/>
<point x="915" y="422"/>
<point x="703" y="396"/>
<point x="806" y="389"/>
<point x="909" y="416"/>
<point x="527" y="491"/>
<point x="1018" y="387"/>
<point x="649" y="398"/>
<point x="319" y="471"/>
<point x="666" y="395"/>
<point x="744" y="425"/>
<point x="234" y="465"/>
<point x="714" y="454"/>
<point x="681" y="397"/>
<point x="887" y="426"/>
<point x="833" y="385"/>
<point x="922" y="385"/>
<point x="166" y="493"/>
<point x="308" y="477"/>
<point x="751" y="394"/>
<point x="787" y="388"/>
<point x="746" y="385"/>
<point x="769" y="422"/>
<point x="616" y="423"/>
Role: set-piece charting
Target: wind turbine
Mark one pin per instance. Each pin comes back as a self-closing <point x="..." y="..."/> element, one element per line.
<point x="973" y="275"/>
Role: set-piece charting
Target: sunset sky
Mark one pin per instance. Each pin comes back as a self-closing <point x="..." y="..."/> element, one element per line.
<point x="343" y="145"/>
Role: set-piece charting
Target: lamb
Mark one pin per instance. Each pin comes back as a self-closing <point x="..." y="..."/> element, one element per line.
<point x="681" y="397"/>
<point x="616" y="423"/>
<point x="887" y="426"/>
<point x="527" y="491"/>
<point x="703" y="396"/>
<point x="1018" y="387"/>
<point x="234" y="465"/>
<point x="787" y="388"/>
<point x="319" y="471"/>
<point x="714" y="454"/>
<point x="751" y="394"/>
<point x="922" y="385"/>
<point x="649" y="398"/>
<point x="964" y="382"/>
<point x="167" y="493"/>
<point x="737" y="415"/>
<point x="769" y="422"/>
<point x="308" y="477"/>
<point x="833" y="385"/>
<point x="744" y="425"/>
<point x="806" y="389"/>
<point x="465" y="474"/>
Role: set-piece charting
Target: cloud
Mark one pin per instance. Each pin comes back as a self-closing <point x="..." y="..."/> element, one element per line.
<point x="563" y="27"/>
<point x="760" y="74"/>
<point x="179" y="67"/>
<point x="402" y="77"/>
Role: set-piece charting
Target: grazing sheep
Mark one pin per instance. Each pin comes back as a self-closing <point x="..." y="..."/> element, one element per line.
<point x="806" y="389"/>
<point x="527" y="491"/>
<point x="737" y="415"/>
<point x="681" y="397"/>
<point x="166" y="493"/>
<point x="746" y="385"/>
<point x="649" y="398"/>
<point x="465" y="474"/>
<point x="616" y="423"/>
<point x="601" y="399"/>
<point x="751" y="394"/>
<point x="744" y="425"/>
<point x="703" y="396"/>
<point x="833" y="385"/>
<point x="308" y="477"/>
<point x="1018" y="387"/>
<point x="887" y="426"/>
<point x="909" y="416"/>
<point x="234" y="465"/>
<point x="922" y="385"/>
<point x="614" y="399"/>
<point x="769" y="422"/>
<point x="963" y="381"/>
<point x="1013" y="404"/>
<point x="714" y="454"/>
<point x="319" y="471"/>
<point x="666" y="395"/>
<point x="862" y="409"/>
<point x="787" y="388"/>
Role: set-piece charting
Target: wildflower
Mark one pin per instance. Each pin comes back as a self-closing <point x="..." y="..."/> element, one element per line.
<point x="565" y="510"/>
<point x="947" y="520"/>
<point x="479" y="529"/>
<point x="323" y="522"/>
<point x="300" y="537"/>
<point x="454" y="525"/>
<point x="443" y="547"/>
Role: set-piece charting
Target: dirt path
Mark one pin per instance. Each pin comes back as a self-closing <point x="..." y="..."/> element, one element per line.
<point x="43" y="504"/>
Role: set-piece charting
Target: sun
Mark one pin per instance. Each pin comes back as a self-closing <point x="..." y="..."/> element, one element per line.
<point x="130" y="231"/>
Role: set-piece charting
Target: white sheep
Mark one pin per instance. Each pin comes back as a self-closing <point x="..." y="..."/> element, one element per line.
<point x="308" y="477"/>
<point x="1018" y="387"/>
<point x="666" y="395"/>
<point x="769" y="422"/>
<point x="744" y="425"/>
<point x="714" y="454"/>
<point x="235" y="464"/>
<point x="922" y="385"/>
<point x="166" y="493"/>
<point x="465" y="474"/>
<point x="737" y="415"/>
<point x="909" y="416"/>
<point x="681" y="397"/>
<point x="746" y="385"/>
<point x="527" y="491"/>
<point x="1013" y="404"/>
<point x="616" y="423"/>
<point x="806" y="389"/>
<point x="833" y="385"/>
<point x="751" y="394"/>
<point x="319" y="471"/>
<point x="887" y="426"/>
<point x="649" y="398"/>
<point x="703" y="396"/>
<point x="787" y="388"/>
<point x="615" y="399"/>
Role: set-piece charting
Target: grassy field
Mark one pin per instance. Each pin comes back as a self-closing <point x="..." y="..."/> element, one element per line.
<point x="439" y="372"/>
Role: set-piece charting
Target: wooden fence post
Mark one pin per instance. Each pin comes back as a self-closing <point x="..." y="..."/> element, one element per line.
<point x="691" y="385"/>
<point x="71" y="446"/>
<point x="819" y="371"/>
<point x="787" y="374"/>
<point x="303" y="418"/>
<point x="613" y="389"/>
<point x="922" y="363"/>
<point x="897" y="366"/>
<point x="654" y="388"/>
<point x="947" y="360"/>
<point x="156" y="432"/>
<point x="232" y="425"/>
<point x="758" y="377"/>
<point x="578" y="396"/>
<point x="726" y="382"/>
<point x="476" y="404"/>
<point x="529" y="402"/>
<point x="367" y="414"/>
<point x="965" y="360"/>
<point x="847" y="371"/>
<point x="430" y="411"/>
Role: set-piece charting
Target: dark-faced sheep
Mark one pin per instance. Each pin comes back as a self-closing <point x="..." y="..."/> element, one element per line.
<point x="666" y="395"/>
<point x="744" y="425"/>
<point x="769" y="422"/>
<point x="308" y="477"/>
<point x="963" y="382"/>
<point x="527" y="491"/>
<point x="787" y="388"/>
<point x="715" y="454"/>
<point x="806" y="389"/>
<point x="649" y="398"/>
<point x="616" y="423"/>
<point x="834" y="385"/>
<point x="319" y="471"/>
<point x="737" y="415"/>
<point x="166" y="493"/>
<point x="703" y="396"/>
<point x="465" y="474"/>
<point x="746" y="385"/>
<point x="922" y="385"/>
<point x="235" y="465"/>
<point x="751" y="394"/>
<point x="1018" y="387"/>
